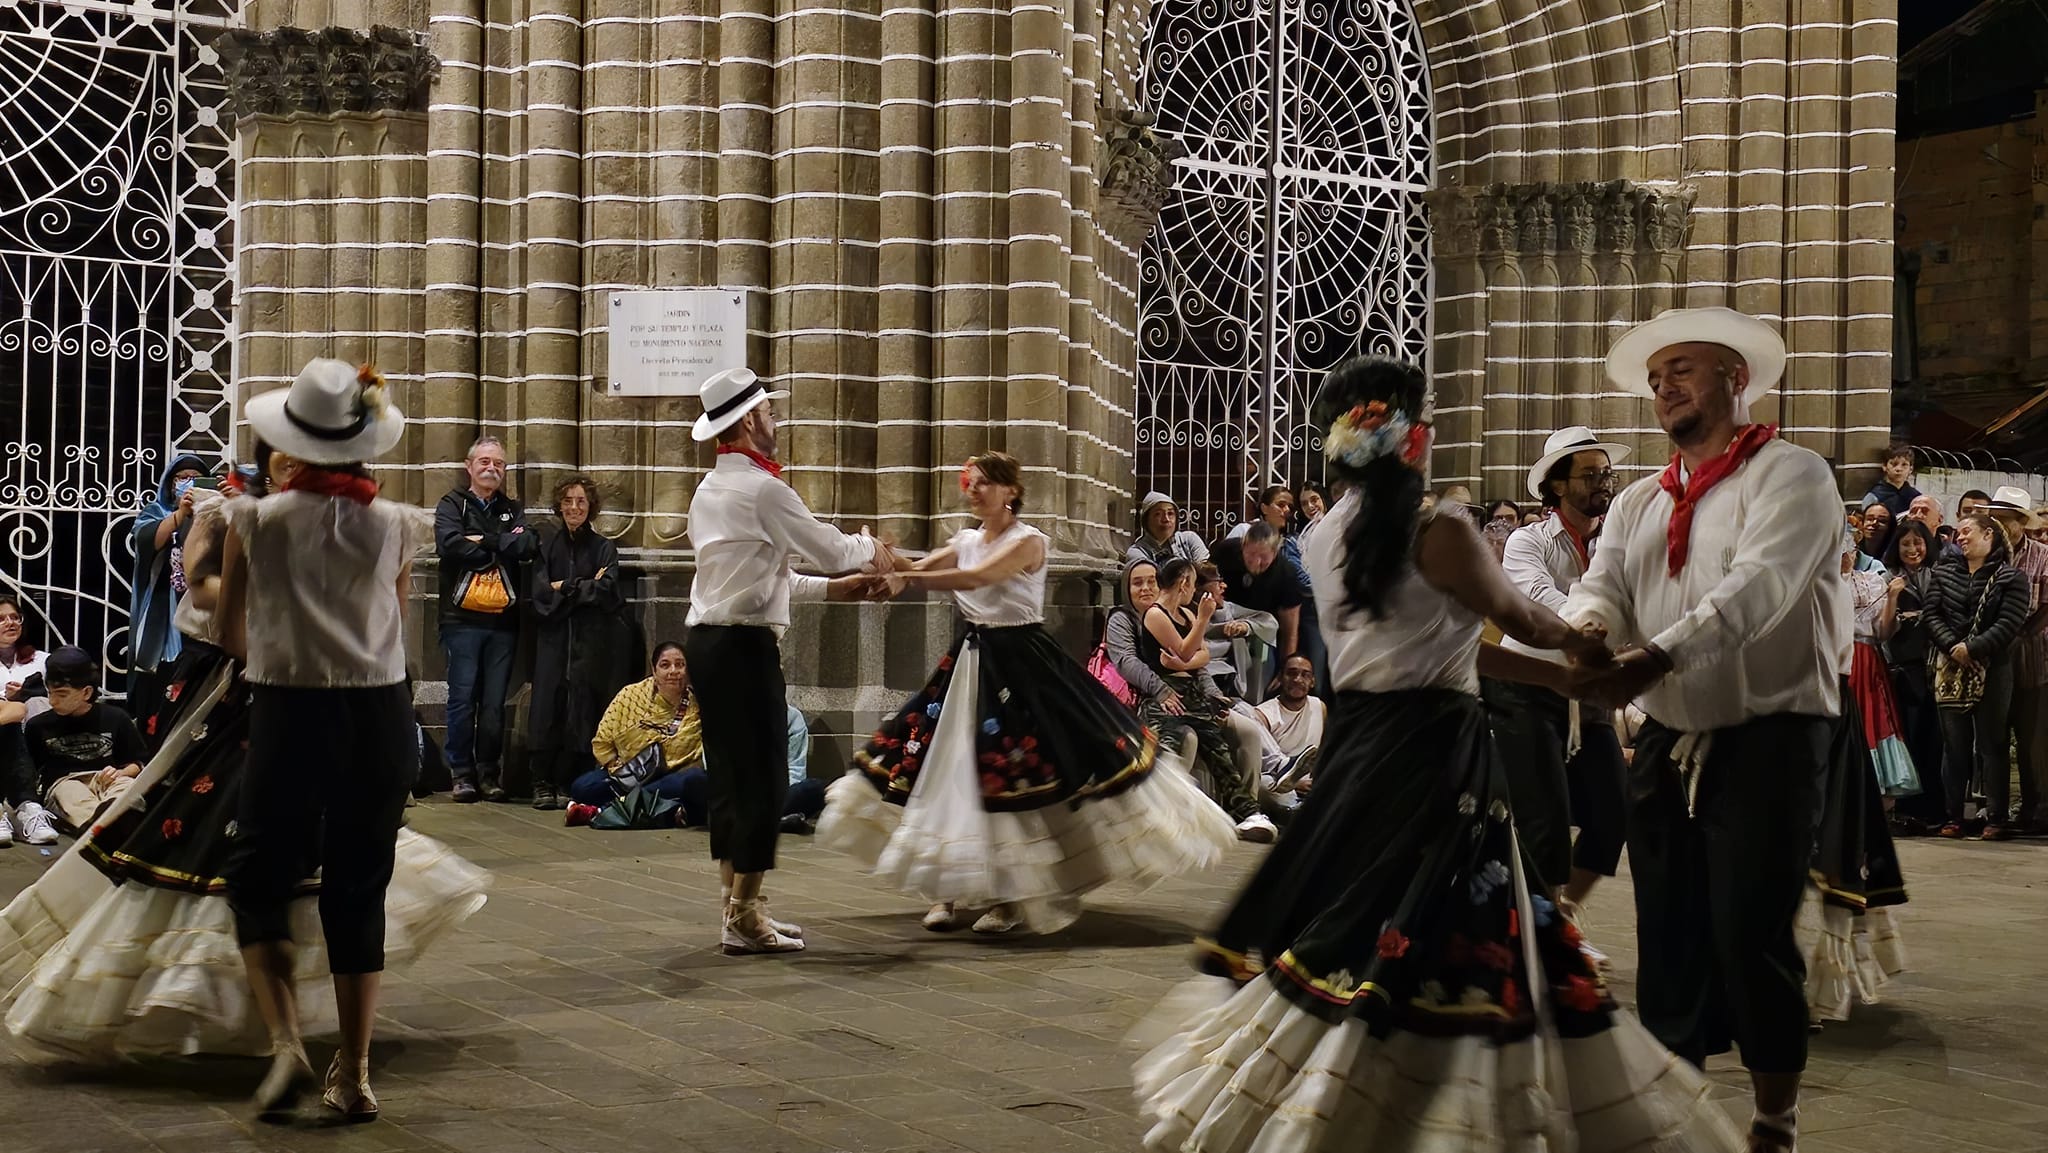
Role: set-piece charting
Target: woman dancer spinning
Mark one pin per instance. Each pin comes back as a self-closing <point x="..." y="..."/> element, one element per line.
<point x="126" y="946"/>
<point x="1401" y="984"/>
<point x="1014" y="778"/>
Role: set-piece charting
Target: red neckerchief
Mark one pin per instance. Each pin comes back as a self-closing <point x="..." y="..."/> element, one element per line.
<point x="768" y="466"/>
<point x="1685" y="497"/>
<point x="327" y="482"/>
<point x="1580" y="544"/>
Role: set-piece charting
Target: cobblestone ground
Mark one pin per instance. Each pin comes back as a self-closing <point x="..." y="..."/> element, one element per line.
<point x="587" y="1009"/>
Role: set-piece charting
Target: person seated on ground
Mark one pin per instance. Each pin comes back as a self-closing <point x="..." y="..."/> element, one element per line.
<point x="1232" y="632"/>
<point x="1295" y="718"/>
<point x="1160" y="537"/>
<point x="21" y="696"/>
<point x="86" y="753"/>
<point x="800" y="807"/>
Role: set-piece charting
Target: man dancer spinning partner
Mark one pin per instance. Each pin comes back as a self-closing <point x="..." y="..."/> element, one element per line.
<point x="1563" y="765"/>
<point x="1724" y="571"/>
<point x="745" y="523"/>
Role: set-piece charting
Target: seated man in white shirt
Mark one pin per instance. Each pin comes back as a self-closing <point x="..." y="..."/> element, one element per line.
<point x="1719" y="582"/>
<point x="1295" y="718"/>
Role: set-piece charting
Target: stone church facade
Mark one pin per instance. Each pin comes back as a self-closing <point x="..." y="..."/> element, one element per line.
<point x="939" y="210"/>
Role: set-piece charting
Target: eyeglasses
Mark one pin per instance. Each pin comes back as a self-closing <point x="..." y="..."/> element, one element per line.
<point x="1600" y="479"/>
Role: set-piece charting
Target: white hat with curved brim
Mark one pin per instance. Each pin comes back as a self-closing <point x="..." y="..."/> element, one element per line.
<point x="2018" y="501"/>
<point x="325" y="417"/>
<point x="1758" y="344"/>
<point x="1566" y="442"/>
<point x="728" y="397"/>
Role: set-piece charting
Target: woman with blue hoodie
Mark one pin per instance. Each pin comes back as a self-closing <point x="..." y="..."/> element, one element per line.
<point x="153" y="644"/>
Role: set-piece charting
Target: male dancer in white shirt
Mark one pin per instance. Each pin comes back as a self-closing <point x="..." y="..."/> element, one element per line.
<point x="1724" y="574"/>
<point x="745" y="523"/>
<point x="1563" y="763"/>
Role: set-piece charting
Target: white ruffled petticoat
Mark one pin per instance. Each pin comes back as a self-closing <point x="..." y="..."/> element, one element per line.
<point x="1257" y="1074"/>
<point x="943" y="845"/>
<point x="1849" y="959"/>
<point x="152" y="971"/>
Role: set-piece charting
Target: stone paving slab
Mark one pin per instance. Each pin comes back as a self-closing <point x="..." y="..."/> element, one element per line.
<point x="586" y="1010"/>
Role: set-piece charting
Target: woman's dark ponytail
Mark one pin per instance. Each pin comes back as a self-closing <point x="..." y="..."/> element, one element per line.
<point x="1379" y="540"/>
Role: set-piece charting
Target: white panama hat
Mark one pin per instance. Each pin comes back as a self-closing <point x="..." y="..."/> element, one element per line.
<point x="2013" y="499"/>
<point x="728" y="397"/>
<point x="1755" y="341"/>
<point x="333" y="413"/>
<point x="1566" y="442"/>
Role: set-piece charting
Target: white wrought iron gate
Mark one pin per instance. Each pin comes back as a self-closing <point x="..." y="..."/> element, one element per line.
<point x="116" y="173"/>
<point x="1295" y="237"/>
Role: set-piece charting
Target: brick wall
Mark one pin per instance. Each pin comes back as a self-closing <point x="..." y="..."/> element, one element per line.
<point x="1967" y="206"/>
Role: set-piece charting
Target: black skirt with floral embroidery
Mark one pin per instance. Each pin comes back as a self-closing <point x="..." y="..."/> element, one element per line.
<point x="1393" y="895"/>
<point x="181" y="835"/>
<point x="1046" y="732"/>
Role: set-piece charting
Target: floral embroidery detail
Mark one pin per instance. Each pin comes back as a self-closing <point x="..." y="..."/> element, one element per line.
<point x="1432" y="992"/>
<point x="1474" y="995"/>
<point x="1495" y="955"/>
<point x="174" y="690"/>
<point x="991" y="726"/>
<point x="1546" y="913"/>
<point x="1392" y="944"/>
<point x="1580" y="993"/>
<point x="149" y="726"/>
<point x="1341" y="983"/>
<point x="912" y="746"/>
<point x="1467" y="804"/>
<point x="945" y="662"/>
<point x="234" y="829"/>
<point x="1003" y="695"/>
<point x="1571" y="935"/>
<point x="992" y="784"/>
<point x="199" y="734"/>
<point x="203" y="786"/>
<point x="1510" y="997"/>
<point x="173" y="829"/>
<point x="1492" y="875"/>
<point x="1498" y="810"/>
<point x="932" y="710"/>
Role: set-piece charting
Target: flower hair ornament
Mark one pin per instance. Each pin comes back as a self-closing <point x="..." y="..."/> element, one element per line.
<point x="1373" y="430"/>
<point x="374" y="398"/>
<point x="967" y="475"/>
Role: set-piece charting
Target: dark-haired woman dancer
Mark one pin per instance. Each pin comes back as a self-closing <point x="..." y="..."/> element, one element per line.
<point x="1400" y="982"/>
<point x="1013" y="779"/>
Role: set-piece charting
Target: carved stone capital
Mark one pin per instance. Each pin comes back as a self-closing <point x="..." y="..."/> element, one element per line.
<point x="1137" y="172"/>
<point x="326" y="71"/>
<point x="1614" y="218"/>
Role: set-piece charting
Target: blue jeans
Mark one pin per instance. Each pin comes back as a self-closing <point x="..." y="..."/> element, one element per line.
<point x="479" y="671"/>
<point x="691" y="788"/>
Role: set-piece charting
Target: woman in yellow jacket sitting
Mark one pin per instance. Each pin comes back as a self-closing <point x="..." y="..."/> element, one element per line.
<point x="661" y="709"/>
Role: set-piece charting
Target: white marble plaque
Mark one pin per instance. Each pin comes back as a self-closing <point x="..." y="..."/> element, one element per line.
<point x="665" y="341"/>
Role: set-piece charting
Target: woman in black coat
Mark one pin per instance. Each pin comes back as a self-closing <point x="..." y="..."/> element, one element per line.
<point x="1973" y="617"/>
<point x="1910" y="561"/>
<point x="580" y="656"/>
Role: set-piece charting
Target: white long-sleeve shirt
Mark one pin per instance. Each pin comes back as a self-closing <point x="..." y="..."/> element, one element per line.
<point x="1543" y="564"/>
<point x="745" y="525"/>
<point x="1753" y="621"/>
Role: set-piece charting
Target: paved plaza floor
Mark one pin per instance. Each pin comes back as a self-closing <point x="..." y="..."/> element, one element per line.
<point x="586" y="1010"/>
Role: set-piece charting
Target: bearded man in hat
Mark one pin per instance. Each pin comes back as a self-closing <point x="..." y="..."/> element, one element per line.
<point x="1564" y="766"/>
<point x="2013" y="508"/>
<point x="745" y="524"/>
<point x="1723" y="576"/>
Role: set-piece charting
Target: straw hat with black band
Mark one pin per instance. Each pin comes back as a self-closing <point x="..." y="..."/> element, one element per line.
<point x="333" y="413"/>
<point x="1570" y="442"/>
<point x="728" y="397"/>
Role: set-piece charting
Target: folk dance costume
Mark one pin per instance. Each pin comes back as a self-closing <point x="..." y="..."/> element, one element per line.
<point x="1563" y="762"/>
<point x="1870" y="683"/>
<point x="745" y="523"/>
<point x="1733" y="572"/>
<point x="1401" y="985"/>
<point x="126" y="946"/>
<point x="1014" y="778"/>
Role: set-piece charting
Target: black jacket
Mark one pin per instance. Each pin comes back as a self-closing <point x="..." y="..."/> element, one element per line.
<point x="506" y="541"/>
<point x="583" y="654"/>
<point x="1908" y="646"/>
<point x="1951" y="612"/>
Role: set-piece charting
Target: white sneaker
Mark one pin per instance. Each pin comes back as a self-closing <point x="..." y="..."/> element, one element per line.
<point x="6" y="831"/>
<point x="36" y="828"/>
<point x="1258" y="829"/>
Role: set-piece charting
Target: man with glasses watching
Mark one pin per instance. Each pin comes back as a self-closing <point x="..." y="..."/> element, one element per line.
<point x="1564" y="767"/>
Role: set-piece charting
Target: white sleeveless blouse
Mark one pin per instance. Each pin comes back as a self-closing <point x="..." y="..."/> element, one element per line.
<point x="1017" y="601"/>
<point x="1425" y="640"/>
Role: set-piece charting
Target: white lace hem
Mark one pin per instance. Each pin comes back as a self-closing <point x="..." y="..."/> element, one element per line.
<point x="1849" y="959"/>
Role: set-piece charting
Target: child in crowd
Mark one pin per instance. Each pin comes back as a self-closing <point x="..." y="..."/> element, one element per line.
<point x="1895" y="491"/>
<point x="86" y="752"/>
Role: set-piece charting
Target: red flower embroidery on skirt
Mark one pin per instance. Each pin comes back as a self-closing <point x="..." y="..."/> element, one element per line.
<point x="1570" y="933"/>
<point x="993" y="783"/>
<point x="945" y="662"/>
<point x="1495" y="955"/>
<point x="176" y="690"/>
<point x="149" y="726"/>
<point x="1580" y="993"/>
<point x="1514" y="923"/>
<point x="203" y="786"/>
<point x="1393" y="944"/>
<point x="173" y="829"/>
<point x="1510" y="997"/>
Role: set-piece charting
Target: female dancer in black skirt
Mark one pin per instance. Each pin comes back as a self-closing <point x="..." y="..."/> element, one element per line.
<point x="1014" y="778"/>
<point x="1399" y="981"/>
<point x="126" y="946"/>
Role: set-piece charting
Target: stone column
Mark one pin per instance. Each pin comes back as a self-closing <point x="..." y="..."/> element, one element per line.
<point x="454" y="203"/>
<point x="905" y="313"/>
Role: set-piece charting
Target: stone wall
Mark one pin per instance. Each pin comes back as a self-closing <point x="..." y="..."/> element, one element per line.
<point x="1971" y="208"/>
